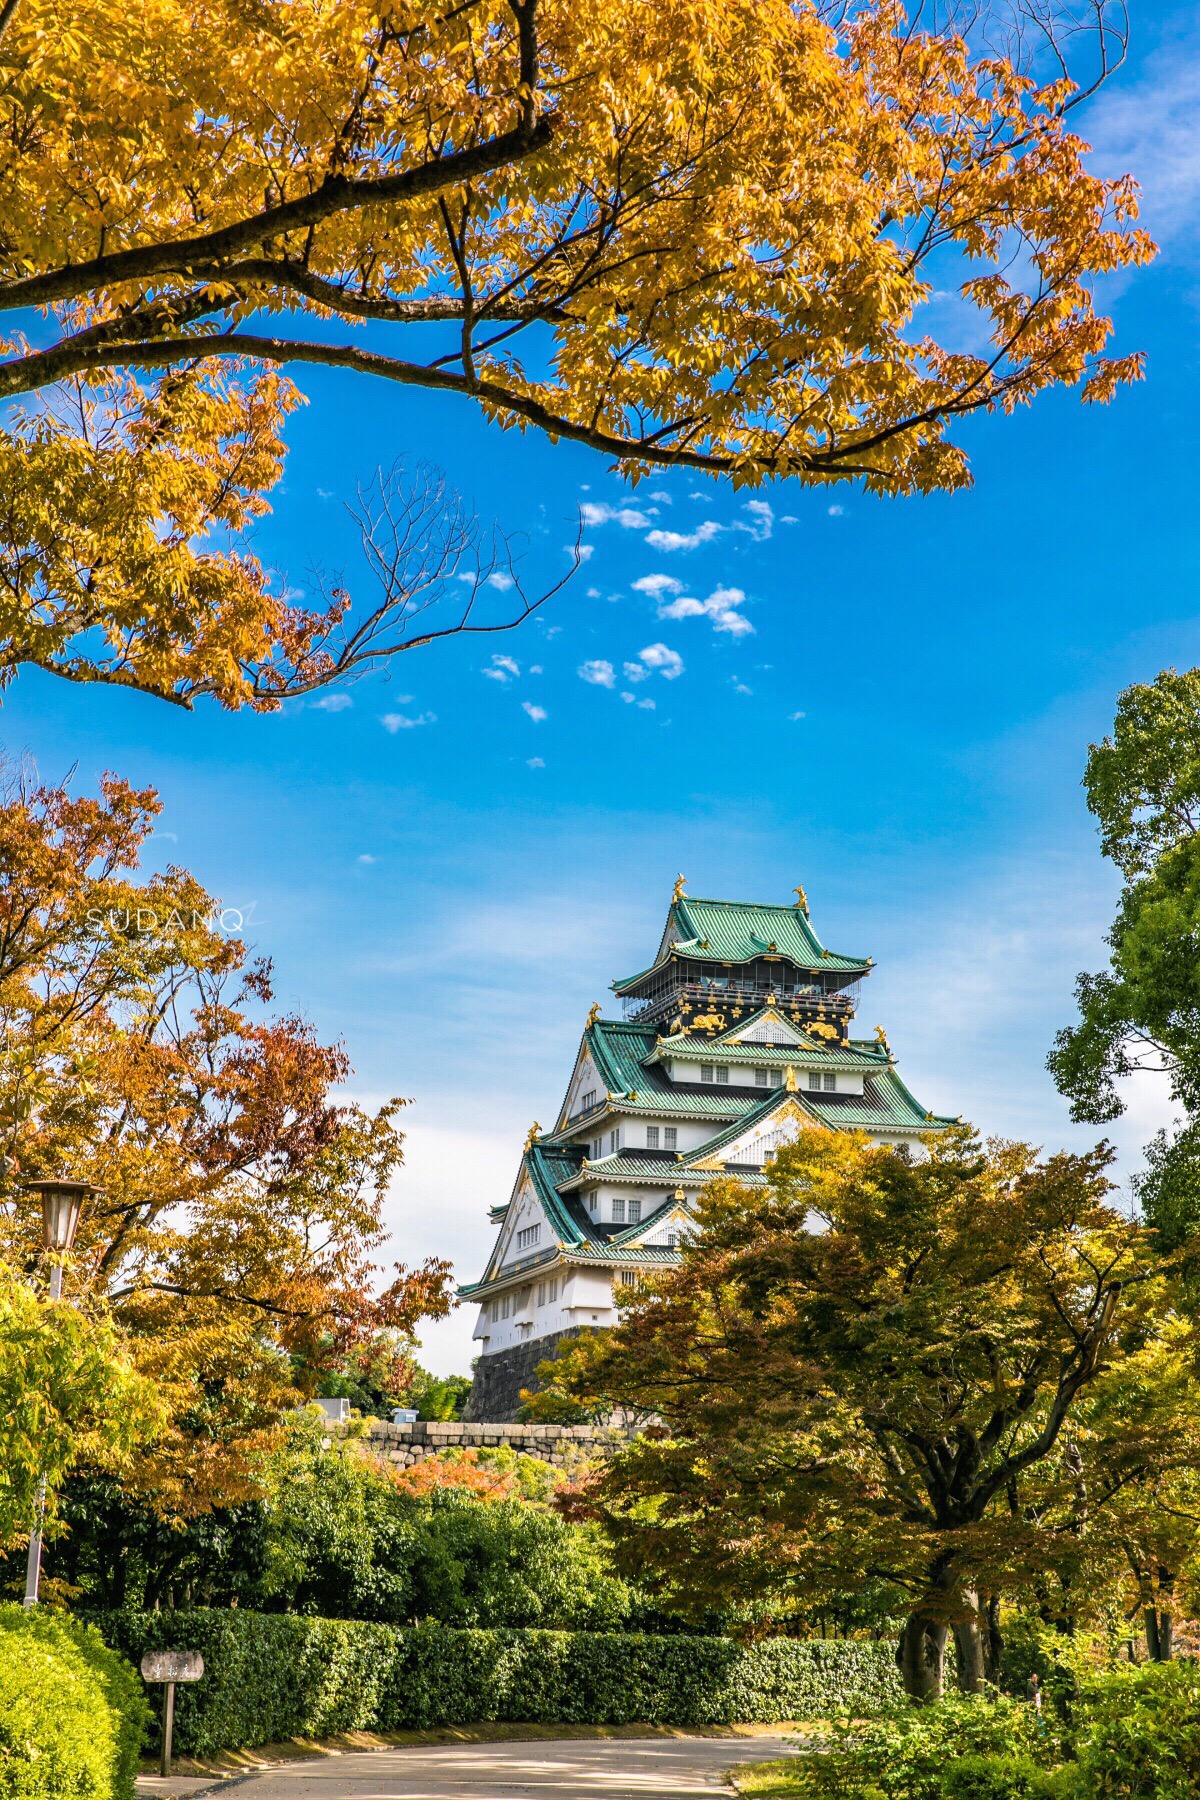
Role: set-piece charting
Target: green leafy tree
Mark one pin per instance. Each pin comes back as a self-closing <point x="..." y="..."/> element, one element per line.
<point x="896" y="1397"/>
<point x="68" y="1394"/>
<point x="1143" y="1011"/>
<point x="339" y="1534"/>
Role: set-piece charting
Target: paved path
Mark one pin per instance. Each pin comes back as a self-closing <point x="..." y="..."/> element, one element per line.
<point x="573" y="1769"/>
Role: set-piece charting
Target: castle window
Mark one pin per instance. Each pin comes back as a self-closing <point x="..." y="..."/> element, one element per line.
<point x="598" y="1149"/>
<point x="614" y="1141"/>
<point x="831" y="1084"/>
<point x="618" y="1212"/>
<point x="630" y="1278"/>
<point x="552" y="1291"/>
<point x="635" y="1212"/>
<point x="723" y="1074"/>
<point x="505" y="1305"/>
<point x="762" y="1077"/>
<point x="670" y="1135"/>
<point x="814" y="1082"/>
<point x="528" y="1236"/>
<point x="652" y="1137"/>
<point x="541" y="1299"/>
<point x="706" y="1073"/>
<point x="588" y="1100"/>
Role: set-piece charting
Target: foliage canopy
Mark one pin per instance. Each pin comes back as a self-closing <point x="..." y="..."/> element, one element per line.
<point x="684" y="234"/>
<point x="230" y="1245"/>
<point x="903" y="1395"/>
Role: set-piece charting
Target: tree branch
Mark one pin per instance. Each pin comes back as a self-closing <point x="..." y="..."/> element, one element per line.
<point x="336" y="194"/>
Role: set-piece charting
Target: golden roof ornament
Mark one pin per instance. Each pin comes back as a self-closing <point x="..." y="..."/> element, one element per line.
<point x="881" y="1034"/>
<point x="593" y="1015"/>
<point x="677" y="892"/>
<point x="801" y="899"/>
<point x="789" y="1080"/>
<point x="679" y="1194"/>
<point x="532" y="1139"/>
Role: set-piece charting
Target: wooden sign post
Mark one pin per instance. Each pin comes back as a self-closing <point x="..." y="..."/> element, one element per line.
<point x="171" y="1666"/>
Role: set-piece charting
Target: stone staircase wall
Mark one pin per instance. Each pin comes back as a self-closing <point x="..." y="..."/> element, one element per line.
<point x="560" y="1445"/>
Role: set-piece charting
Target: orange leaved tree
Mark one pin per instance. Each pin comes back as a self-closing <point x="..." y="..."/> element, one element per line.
<point x="240" y="1203"/>
<point x="683" y="234"/>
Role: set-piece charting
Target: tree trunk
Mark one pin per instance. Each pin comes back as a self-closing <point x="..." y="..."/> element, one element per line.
<point x="1160" y="1635"/>
<point x="971" y="1672"/>
<point x="994" y="1642"/>
<point x="921" y="1655"/>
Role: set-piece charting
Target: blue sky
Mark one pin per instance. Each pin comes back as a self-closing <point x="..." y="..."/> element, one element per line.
<point x="888" y="701"/>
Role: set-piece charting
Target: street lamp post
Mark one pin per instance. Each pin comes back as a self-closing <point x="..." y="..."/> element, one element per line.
<point x="62" y="1203"/>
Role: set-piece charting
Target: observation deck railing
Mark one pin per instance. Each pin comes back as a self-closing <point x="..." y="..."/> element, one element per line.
<point x="716" y="994"/>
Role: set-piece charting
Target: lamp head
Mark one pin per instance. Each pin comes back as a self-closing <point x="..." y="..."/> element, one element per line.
<point x="62" y="1203"/>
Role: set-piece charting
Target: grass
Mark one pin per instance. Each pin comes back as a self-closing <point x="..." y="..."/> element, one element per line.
<point x="768" y="1780"/>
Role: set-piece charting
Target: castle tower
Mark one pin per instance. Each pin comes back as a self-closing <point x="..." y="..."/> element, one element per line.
<point x="735" y="1037"/>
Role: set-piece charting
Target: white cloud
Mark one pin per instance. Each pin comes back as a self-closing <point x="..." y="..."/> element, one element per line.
<point x="789" y="519"/>
<point x="761" y="520"/>
<point x="794" y="716"/>
<point x="657" y="585"/>
<point x="739" y="687"/>
<point x="534" y="762"/>
<point x="598" y="672"/>
<point x="395" y="722"/>
<point x="535" y="668"/>
<point x="593" y="593"/>
<point x="668" y="662"/>
<point x="836" y="512"/>
<point x="721" y="608"/>
<point x="646" y="705"/>
<point x="332" y="703"/>
<point x="536" y="713"/>
<point x="596" y="513"/>
<point x="684" y="540"/>
<point x="498" y="579"/>
<point x="503" y="669"/>
<point x="367" y="860"/>
<point x="580" y="551"/>
<point x="1149" y="127"/>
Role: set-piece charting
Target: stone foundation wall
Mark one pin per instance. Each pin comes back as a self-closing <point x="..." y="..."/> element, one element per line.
<point x="560" y="1445"/>
<point x="496" y="1388"/>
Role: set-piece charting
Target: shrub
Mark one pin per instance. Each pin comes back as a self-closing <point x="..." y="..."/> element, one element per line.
<point x="1140" y="1734"/>
<point x="910" y="1754"/>
<point x="58" y="1738"/>
<point x="271" y="1676"/>
<point x="1004" y="1778"/>
<point x="81" y="1648"/>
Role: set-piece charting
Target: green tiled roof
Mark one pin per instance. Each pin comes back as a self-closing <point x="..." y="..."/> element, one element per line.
<point x="615" y="1252"/>
<point x="548" y="1169"/>
<point x="617" y="1050"/>
<point x="766" y="1106"/>
<point x="884" y="1104"/>
<point x="655" y="1172"/>
<point x="722" y="1050"/>
<point x="735" y="931"/>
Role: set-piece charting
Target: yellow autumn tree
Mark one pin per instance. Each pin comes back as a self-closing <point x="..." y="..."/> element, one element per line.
<point x="682" y="233"/>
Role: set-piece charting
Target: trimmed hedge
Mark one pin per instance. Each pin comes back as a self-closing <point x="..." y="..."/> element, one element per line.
<point x="118" y="1711"/>
<point x="275" y="1676"/>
